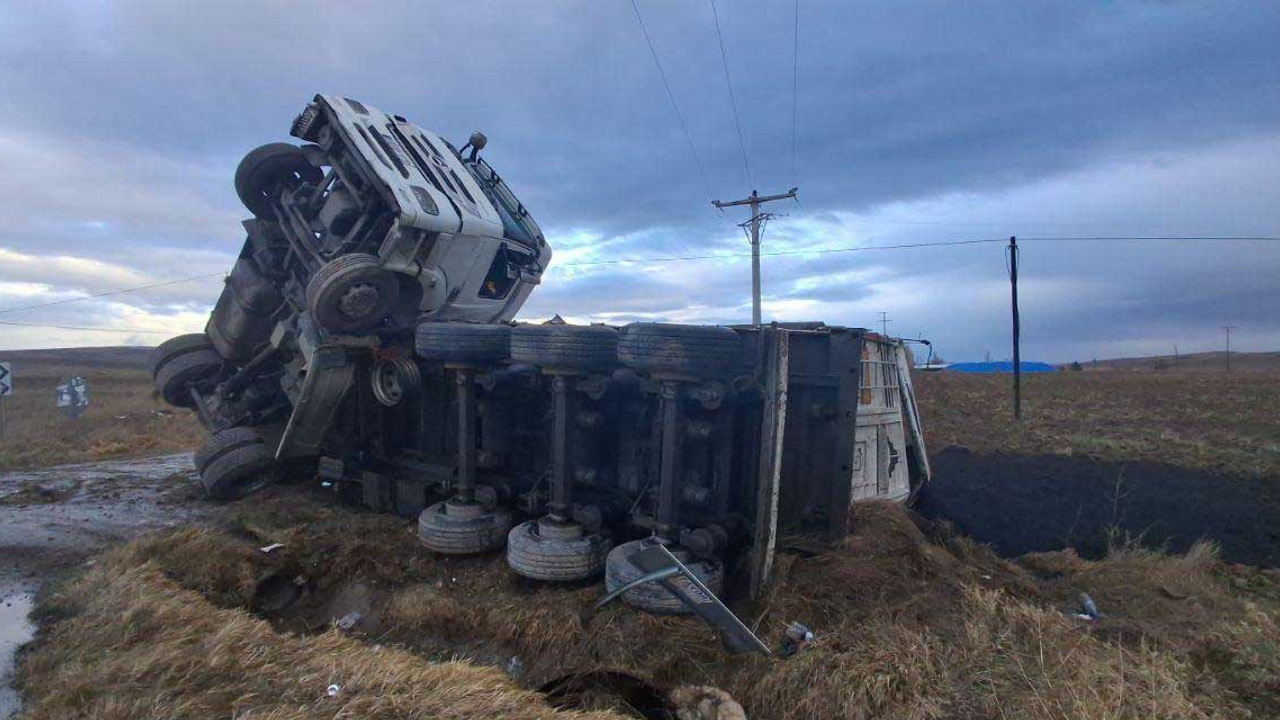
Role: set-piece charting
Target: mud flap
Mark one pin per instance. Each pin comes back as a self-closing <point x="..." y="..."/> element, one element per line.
<point x="660" y="566"/>
<point x="329" y="375"/>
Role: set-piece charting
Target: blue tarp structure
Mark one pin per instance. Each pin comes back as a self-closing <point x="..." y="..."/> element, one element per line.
<point x="1000" y="367"/>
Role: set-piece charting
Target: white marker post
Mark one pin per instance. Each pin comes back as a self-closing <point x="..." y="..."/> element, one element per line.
<point x="73" y="397"/>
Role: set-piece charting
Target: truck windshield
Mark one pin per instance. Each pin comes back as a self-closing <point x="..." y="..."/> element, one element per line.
<point x="517" y="226"/>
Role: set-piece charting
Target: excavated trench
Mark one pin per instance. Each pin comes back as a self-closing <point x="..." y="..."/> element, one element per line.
<point x="1036" y="503"/>
<point x="300" y="594"/>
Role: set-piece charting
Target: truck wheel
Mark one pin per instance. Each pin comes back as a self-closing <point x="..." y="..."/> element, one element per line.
<point x="653" y="597"/>
<point x="262" y="171"/>
<point x="352" y="294"/>
<point x="463" y="528"/>
<point x="181" y="361"/>
<point x="463" y="342"/>
<point x="558" y="552"/>
<point x="569" y="347"/>
<point x="235" y="462"/>
<point x="692" y="350"/>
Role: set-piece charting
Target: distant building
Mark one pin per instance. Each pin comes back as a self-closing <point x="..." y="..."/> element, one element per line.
<point x="1000" y="367"/>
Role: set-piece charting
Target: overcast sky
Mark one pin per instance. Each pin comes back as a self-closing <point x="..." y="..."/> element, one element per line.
<point x="121" y="125"/>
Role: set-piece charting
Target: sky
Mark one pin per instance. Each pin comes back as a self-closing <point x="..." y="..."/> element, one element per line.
<point x="121" y="125"/>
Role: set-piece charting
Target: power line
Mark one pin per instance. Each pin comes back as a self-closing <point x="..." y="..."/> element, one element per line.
<point x="672" y="97"/>
<point x="108" y="294"/>
<point x="678" y="258"/>
<point x="1173" y="238"/>
<point x="79" y="327"/>
<point x="779" y="253"/>
<point x="906" y="246"/>
<point x="733" y="100"/>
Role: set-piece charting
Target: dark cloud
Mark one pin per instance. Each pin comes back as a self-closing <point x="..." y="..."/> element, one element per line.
<point x="918" y="122"/>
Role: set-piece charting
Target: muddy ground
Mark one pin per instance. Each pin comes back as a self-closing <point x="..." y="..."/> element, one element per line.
<point x="1022" y="504"/>
<point x="53" y="520"/>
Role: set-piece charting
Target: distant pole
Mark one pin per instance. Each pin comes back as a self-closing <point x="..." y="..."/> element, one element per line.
<point x="884" y="323"/>
<point x="755" y="201"/>
<point x="1229" y="328"/>
<point x="1176" y="358"/>
<point x="1017" y="329"/>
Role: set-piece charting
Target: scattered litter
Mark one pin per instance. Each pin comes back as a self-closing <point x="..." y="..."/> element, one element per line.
<point x="515" y="668"/>
<point x="268" y="549"/>
<point x="1087" y="605"/>
<point x="794" y="637"/>
<point x="334" y="690"/>
<point x="348" y="621"/>
<point x="704" y="702"/>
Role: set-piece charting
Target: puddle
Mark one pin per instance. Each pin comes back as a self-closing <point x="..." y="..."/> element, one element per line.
<point x="15" y="629"/>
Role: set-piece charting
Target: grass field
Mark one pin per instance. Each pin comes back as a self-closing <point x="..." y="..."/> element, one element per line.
<point x="1226" y="424"/>
<point x="124" y="419"/>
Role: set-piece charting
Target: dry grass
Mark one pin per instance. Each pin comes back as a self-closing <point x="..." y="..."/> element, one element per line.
<point x="907" y="627"/>
<point x="124" y="418"/>
<point x="138" y="646"/>
<point x="1227" y="424"/>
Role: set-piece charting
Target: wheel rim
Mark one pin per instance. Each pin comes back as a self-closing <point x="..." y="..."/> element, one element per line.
<point x="393" y="379"/>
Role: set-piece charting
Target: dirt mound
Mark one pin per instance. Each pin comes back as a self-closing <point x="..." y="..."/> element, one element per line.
<point x="910" y="621"/>
<point x="1022" y="504"/>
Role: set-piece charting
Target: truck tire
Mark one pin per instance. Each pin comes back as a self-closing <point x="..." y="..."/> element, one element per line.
<point x="653" y="597"/>
<point x="352" y="295"/>
<point x="569" y="347"/>
<point x="181" y="361"/>
<point x="463" y="342"/>
<point x="543" y="550"/>
<point x="453" y="528"/>
<point x="262" y="171"/>
<point x="691" y="350"/>
<point x="235" y="462"/>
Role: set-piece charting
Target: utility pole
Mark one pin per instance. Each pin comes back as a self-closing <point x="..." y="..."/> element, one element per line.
<point x="1177" y="359"/>
<point x="1017" y="329"/>
<point x="1229" y="328"/>
<point x="884" y="323"/>
<point x="756" y="221"/>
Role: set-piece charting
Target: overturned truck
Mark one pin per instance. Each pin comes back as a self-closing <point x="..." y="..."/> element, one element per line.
<point x="364" y="338"/>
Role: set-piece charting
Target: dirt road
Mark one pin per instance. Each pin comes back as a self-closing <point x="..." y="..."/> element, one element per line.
<point x="52" y="519"/>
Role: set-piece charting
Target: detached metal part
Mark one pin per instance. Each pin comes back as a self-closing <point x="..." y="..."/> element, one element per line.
<point x="660" y="566"/>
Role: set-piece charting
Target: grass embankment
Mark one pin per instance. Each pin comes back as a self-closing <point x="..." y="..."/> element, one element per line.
<point x="910" y="623"/>
<point x="1224" y="424"/>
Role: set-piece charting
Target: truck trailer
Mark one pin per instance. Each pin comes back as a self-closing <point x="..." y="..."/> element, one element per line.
<point x="365" y="338"/>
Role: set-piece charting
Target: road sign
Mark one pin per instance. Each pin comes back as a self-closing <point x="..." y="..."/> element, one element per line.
<point x="6" y="380"/>
<point x="73" y="397"/>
